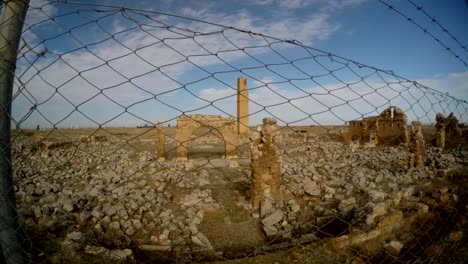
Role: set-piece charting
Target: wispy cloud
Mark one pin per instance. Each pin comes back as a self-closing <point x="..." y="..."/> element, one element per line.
<point x="128" y="76"/>
<point x="295" y="4"/>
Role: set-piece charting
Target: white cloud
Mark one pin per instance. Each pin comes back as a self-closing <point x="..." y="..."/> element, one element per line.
<point x="296" y="4"/>
<point x="261" y="2"/>
<point x="317" y="26"/>
<point x="213" y="94"/>
<point x="154" y="73"/>
<point x="291" y="4"/>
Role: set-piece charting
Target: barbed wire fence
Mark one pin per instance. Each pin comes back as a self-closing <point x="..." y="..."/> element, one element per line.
<point x="90" y="185"/>
<point x="435" y="21"/>
<point x="428" y="32"/>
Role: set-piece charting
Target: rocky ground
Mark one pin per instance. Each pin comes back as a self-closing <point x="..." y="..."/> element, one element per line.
<point x="105" y="199"/>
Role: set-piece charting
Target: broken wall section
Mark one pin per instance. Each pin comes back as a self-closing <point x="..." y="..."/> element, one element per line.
<point x="449" y="132"/>
<point x="266" y="162"/>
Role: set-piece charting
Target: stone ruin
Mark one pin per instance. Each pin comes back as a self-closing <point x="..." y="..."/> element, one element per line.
<point x="417" y="146"/>
<point x="161" y="142"/>
<point x="242" y="109"/>
<point x="388" y="128"/>
<point x="356" y="197"/>
<point x="225" y="126"/>
<point x="448" y="131"/>
<point x="266" y="161"/>
<point x="228" y="130"/>
<point x="93" y="138"/>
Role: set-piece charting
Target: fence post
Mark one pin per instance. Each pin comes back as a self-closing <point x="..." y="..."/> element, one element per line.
<point x="14" y="12"/>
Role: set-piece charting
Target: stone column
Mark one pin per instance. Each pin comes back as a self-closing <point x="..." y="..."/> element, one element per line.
<point x="417" y="146"/>
<point x="183" y="133"/>
<point x="265" y="164"/>
<point x="161" y="142"/>
<point x="440" y="138"/>
<point x="440" y="130"/>
<point x="242" y="109"/>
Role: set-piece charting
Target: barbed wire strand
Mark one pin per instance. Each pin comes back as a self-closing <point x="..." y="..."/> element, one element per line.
<point x="392" y="7"/>
<point x="436" y="21"/>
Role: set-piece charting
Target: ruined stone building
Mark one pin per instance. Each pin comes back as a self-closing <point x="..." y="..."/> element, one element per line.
<point x="388" y="128"/>
<point x="224" y="126"/>
<point x="448" y="131"/>
<point x="228" y="130"/>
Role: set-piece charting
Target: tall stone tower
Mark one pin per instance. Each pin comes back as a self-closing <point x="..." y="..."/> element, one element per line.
<point x="242" y="108"/>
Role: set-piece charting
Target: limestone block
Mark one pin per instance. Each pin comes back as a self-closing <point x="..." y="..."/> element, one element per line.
<point x="393" y="247"/>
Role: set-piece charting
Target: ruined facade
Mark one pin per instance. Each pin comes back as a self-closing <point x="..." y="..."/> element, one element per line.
<point x="186" y="124"/>
<point x="161" y="142"/>
<point x="417" y="148"/>
<point x="448" y="131"/>
<point x="242" y="109"/>
<point x="388" y="128"/>
<point x="265" y="164"/>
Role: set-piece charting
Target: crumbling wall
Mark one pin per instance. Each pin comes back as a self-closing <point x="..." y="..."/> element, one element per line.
<point x="265" y="164"/>
<point x="389" y="128"/>
<point x="356" y="130"/>
<point x="187" y="124"/>
<point x="448" y="131"/>
<point x="392" y="128"/>
<point x="417" y="148"/>
<point x="161" y="142"/>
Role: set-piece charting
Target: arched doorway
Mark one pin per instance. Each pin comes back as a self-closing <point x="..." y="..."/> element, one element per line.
<point x="187" y="124"/>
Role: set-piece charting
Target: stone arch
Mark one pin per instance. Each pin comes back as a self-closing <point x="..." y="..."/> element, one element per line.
<point x="186" y="125"/>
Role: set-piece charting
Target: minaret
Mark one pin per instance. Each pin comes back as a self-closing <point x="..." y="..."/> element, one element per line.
<point x="242" y="108"/>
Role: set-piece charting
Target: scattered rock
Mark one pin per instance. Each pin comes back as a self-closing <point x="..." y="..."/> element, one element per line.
<point x="393" y="247"/>
<point x="201" y="240"/>
<point x="456" y="236"/>
<point x="154" y="248"/>
<point x="274" y="218"/>
<point x="311" y="189"/>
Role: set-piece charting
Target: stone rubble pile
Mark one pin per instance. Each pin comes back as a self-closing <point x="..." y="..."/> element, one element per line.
<point x="359" y="186"/>
<point x="110" y="196"/>
<point x="117" y="199"/>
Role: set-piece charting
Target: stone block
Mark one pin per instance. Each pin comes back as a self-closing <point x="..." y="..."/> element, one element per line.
<point x="393" y="247"/>
<point x="274" y="218"/>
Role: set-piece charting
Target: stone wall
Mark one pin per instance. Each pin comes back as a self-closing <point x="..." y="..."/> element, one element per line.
<point x="389" y="128"/>
<point x="161" y="142"/>
<point x="266" y="162"/>
<point x="186" y="124"/>
<point x="448" y="131"/>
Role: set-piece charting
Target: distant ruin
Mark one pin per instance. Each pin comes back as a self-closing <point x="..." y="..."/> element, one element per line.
<point x="242" y="109"/>
<point x="448" y="131"/>
<point x="161" y="142"/>
<point x="225" y="126"/>
<point x="417" y="148"/>
<point x="265" y="164"/>
<point x="388" y="128"/>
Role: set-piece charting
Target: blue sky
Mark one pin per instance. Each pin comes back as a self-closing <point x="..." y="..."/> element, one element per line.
<point x="363" y="30"/>
<point x="73" y="86"/>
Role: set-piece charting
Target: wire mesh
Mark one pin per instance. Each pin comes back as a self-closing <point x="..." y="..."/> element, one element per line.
<point x="93" y="82"/>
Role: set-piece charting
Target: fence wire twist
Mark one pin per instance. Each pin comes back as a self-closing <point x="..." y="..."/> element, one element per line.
<point x="89" y="185"/>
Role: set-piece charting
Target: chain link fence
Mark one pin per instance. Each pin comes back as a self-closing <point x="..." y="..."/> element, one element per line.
<point x="136" y="141"/>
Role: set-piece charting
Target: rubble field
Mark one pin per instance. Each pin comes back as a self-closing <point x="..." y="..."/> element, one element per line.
<point x="86" y="197"/>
